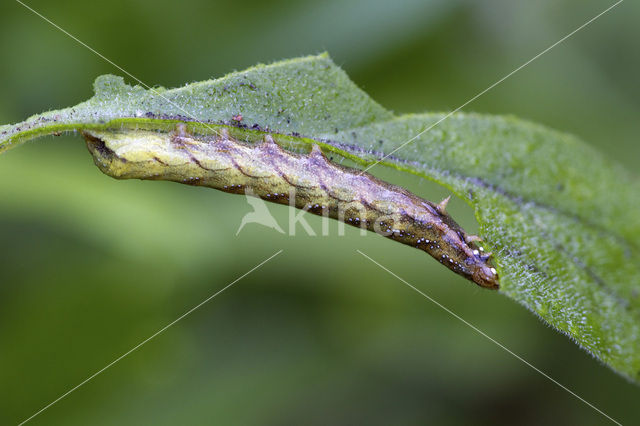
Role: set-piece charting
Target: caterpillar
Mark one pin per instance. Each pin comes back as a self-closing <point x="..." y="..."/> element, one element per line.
<point x="306" y="181"/>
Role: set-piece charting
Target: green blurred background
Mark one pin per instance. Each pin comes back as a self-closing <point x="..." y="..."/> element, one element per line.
<point x="90" y="266"/>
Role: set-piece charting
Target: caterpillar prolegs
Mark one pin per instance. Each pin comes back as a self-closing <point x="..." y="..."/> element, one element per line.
<point x="320" y="187"/>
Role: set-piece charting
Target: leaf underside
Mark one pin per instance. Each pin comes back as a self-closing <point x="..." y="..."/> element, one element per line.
<point x="562" y="221"/>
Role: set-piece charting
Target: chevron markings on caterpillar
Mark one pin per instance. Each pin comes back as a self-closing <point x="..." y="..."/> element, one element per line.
<point x="310" y="182"/>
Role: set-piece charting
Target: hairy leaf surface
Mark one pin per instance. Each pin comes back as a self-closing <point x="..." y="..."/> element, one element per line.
<point x="562" y="221"/>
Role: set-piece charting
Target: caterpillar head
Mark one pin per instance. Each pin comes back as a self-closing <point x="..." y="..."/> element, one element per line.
<point x="132" y="154"/>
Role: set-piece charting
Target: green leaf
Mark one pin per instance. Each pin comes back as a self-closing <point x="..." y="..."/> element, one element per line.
<point x="308" y="96"/>
<point x="562" y="221"/>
